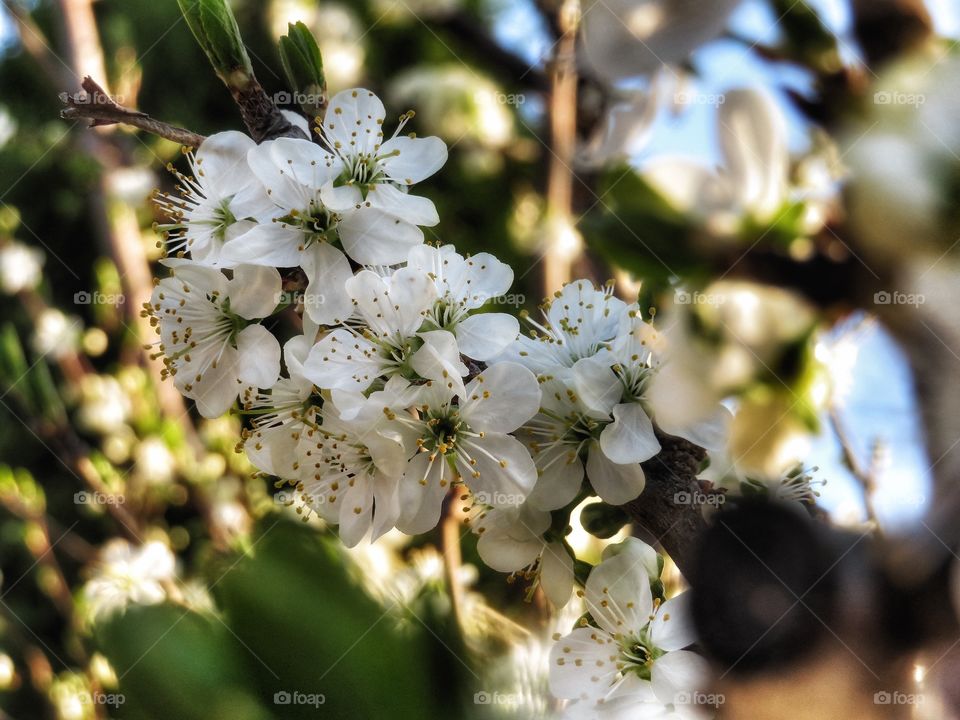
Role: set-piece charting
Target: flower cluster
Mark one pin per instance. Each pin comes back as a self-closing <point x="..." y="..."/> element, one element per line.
<point x="401" y="387"/>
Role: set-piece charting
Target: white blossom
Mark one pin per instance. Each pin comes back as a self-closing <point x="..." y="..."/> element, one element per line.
<point x="634" y="657"/>
<point x="128" y="575"/>
<point x="221" y="201"/>
<point x="209" y="340"/>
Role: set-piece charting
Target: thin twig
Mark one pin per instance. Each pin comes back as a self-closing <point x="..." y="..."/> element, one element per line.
<point x="863" y="474"/>
<point x="96" y="105"/>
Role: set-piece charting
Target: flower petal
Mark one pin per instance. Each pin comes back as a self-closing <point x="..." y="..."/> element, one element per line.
<point x="486" y="335"/>
<point x="342" y="360"/>
<point x="576" y="659"/>
<point x="424" y="485"/>
<point x="672" y="628"/>
<point x="501" y="398"/>
<point x="259" y="361"/>
<point x="556" y="573"/>
<point x="502" y="468"/>
<point x="354" y="121"/>
<point x="272" y="244"/>
<point x="415" y="158"/>
<point x="254" y="291"/>
<point x="439" y="360"/>
<point x="618" y="594"/>
<point x="614" y="483"/>
<point x="412" y="208"/>
<point x="630" y="437"/>
<point x="677" y="674"/>
<point x="325" y="300"/>
<point x="373" y="237"/>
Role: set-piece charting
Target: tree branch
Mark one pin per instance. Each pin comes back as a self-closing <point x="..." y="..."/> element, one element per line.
<point x="95" y="105"/>
<point x="674" y="525"/>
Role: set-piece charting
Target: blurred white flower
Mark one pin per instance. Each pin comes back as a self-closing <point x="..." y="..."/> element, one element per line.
<point x="104" y="405"/>
<point x="56" y="334"/>
<point x="8" y="126"/>
<point x="153" y="461"/>
<point x="129" y="575"/>
<point x="752" y="183"/>
<point x="20" y="267"/>
<point x="626" y="38"/>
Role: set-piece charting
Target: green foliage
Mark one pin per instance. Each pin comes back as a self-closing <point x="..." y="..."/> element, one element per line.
<point x="215" y="28"/>
<point x="303" y="68"/>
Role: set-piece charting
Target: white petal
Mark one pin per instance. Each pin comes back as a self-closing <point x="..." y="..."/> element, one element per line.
<point x="753" y="140"/>
<point x="412" y="208"/>
<point x="678" y="673"/>
<point x="616" y="484"/>
<point x="304" y="161"/>
<point x="501" y="398"/>
<point x="259" y="362"/>
<point x="273" y="452"/>
<point x="415" y="159"/>
<point x="356" y="512"/>
<point x="710" y="433"/>
<point x="395" y="309"/>
<point x="354" y="121"/>
<point x="217" y="389"/>
<point x="618" y="595"/>
<point x="597" y="385"/>
<point x="486" y="335"/>
<point x="560" y="477"/>
<point x="596" y="651"/>
<point x="689" y="186"/>
<point x="386" y="497"/>
<point x="630" y="437"/>
<point x="504" y="552"/>
<point x="342" y="360"/>
<point x="221" y="161"/>
<point x="272" y="244"/>
<point x="672" y="628"/>
<point x="298" y="121"/>
<point x="439" y="360"/>
<point x="281" y="187"/>
<point x="422" y="489"/>
<point x="503" y="468"/>
<point x="341" y="198"/>
<point x="325" y="300"/>
<point x="254" y="291"/>
<point x="373" y="237"/>
<point x="556" y="574"/>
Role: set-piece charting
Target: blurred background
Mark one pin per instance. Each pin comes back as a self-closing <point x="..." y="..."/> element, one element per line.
<point x="148" y="573"/>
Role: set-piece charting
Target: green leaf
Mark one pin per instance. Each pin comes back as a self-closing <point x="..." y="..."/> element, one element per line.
<point x="310" y="629"/>
<point x="174" y="663"/>
<point x="303" y="67"/>
<point x="215" y="28"/>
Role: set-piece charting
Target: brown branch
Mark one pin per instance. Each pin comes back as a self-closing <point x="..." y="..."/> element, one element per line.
<point x="674" y="525"/>
<point x="97" y="106"/>
<point x="260" y="114"/>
